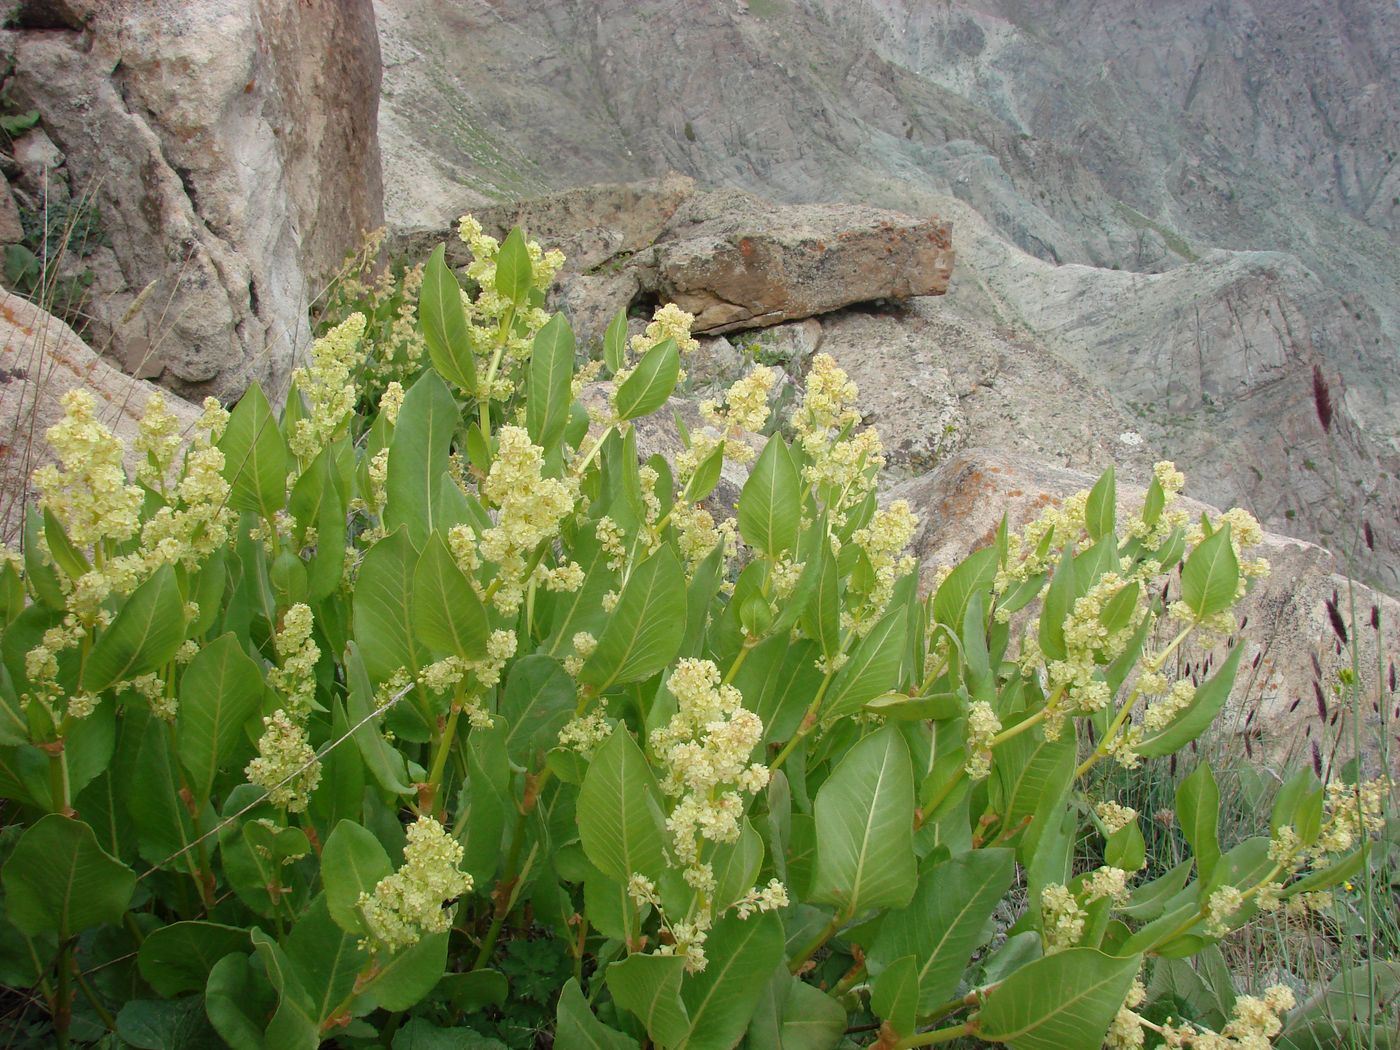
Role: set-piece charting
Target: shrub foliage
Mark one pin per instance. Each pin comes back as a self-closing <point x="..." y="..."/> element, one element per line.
<point x="430" y="705"/>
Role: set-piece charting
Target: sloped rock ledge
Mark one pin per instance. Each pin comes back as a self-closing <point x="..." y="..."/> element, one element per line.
<point x="733" y="260"/>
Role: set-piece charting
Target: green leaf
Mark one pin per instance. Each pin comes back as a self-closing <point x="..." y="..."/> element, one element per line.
<point x="1064" y="1001"/>
<point x="706" y="475"/>
<point x="406" y="977"/>
<point x="548" y="392"/>
<point x="384" y="762"/>
<point x="220" y="691"/>
<point x="238" y="1002"/>
<point x="872" y="669"/>
<point x="65" y="555"/>
<point x="383" y="607"/>
<point x="421" y="1034"/>
<point x="894" y="994"/>
<point x="1198" y="812"/>
<point x="255" y="456"/>
<point x="821" y="619"/>
<point x="615" y="342"/>
<point x="651" y="382"/>
<point x="1211" y="575"/>
<point x="944" y="923"/>
<point x="515" y="274"/>
<point x="352" y="862"/>
<point x="794" y="1015"/>
<point x="39" y="569"/>
<point x="619" y="811"/>
<point x="1101" y="509"/>
<point x="444" y="323"/>
<point x="649" y="987"/>
<point x="179" y="958"/>
<point x="447" y="613"/>
<point x="144" y="635"/>
<point x="418" y="457"/>
<point x="770" y="505"/>
<point x="1196" y="718"/>
<point x="575" y="1027"/>
<point x="163" y="1024"/>
<point x="1059" y="599"/>
<point x="538" y="700"/>
<point x="59" y="880"/>
<point x="720" y="1000"/>
<point x="974" y="573"/>
<point x="864" y="820"/>
<point x="645" y="630"/>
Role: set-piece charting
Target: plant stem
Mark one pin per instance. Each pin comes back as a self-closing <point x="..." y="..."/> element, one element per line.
<point x="484" y="398"/>
<point x="61" y="1007"/>
<point x="428" y="795"/>
<point x="1029" y="722"/>
<point x="940" y="1035"/>
<point x="103" y="1014"/>
<point x="809" y="720"/>
<point x="811" y="947"/>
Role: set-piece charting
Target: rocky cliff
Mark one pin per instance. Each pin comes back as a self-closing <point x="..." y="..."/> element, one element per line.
<point x="1189" y="205"/>
<point x="222" y="157"/>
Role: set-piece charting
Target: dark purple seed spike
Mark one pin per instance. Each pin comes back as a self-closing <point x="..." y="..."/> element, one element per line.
<point x="1317" y="759"/>
<point x="1322" y="399"/>
<point x="1321" y="702"/>
<point x="1334" y="616"/>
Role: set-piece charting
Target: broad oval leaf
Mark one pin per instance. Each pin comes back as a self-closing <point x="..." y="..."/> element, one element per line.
<point x="1101" y="509"/>
<point x="255" y="456"/>
<point x="418" y="457"/>
<point x="770" y="505"/>
<point x="1198" y="715"/>
<point x="872" y="669"/>
<point x="144" y="636"/>
<point x="646" y="628"/>
<point x="352" y="862"/>
<point x="59" y="880"/>
<point x="444" y="323"/>
<point x="549" y="384"/>
<point x="447" y="613"/>
<point x="515" y="274"/>
<point x="619" y="811"/>
<point x="864" y="823"/>
<point x="943" y="924"/>
<point x="179" y="957"/>
<point x="720" y="1000"/>
<point x="650" y="383"/>
<point x="220" y="691"/>
<point x="383" y="607"/>
<point x="1064" y="1001"/>
<point x="1211" y="575"/>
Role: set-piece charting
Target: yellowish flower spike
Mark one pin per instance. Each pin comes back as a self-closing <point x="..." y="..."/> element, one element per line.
<point x="88" y="493"/>
<point x="410" y="903"/>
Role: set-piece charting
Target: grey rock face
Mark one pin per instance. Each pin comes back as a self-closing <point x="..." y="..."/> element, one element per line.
<point x="41" y="359"/>
<point x="1187" y="204"/>
<point x="1285" y="622"/>
<point x="230" y="149"/>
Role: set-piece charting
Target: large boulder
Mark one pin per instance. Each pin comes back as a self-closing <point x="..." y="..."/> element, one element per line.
<point x="230" y="148"/>
<point x="41" y="359"/>
<point x="1286" y="697"/>
<point x="734" y="260"/>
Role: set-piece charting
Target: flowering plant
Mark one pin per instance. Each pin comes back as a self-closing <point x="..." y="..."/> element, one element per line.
<point x="314" y="715"/>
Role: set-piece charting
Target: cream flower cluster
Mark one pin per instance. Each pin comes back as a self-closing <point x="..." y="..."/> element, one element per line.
<point x="488" y="315"/>
<point x="884" y="541"/>
<point x="295" y="677"/>
<point x="1114" y="816"/>
<point x="286" y="767"/>
<point x="669" y="322"/>
<point x="982" y="727"/>
<point x="1254" y="1021"/>
<point x="158" y="439"/>
<point x="88" y="493"/>
<point x="530" y="509"/>
<point x="705" y="751"/>
<point x="410" y="903"/>
<point x="842" y="462"/>
<point x="1061" y="918"/>
<point x="328" y="385"/>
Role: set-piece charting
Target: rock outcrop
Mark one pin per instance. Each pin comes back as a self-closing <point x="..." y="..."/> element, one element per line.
<point x="41" y="359"/>
<point x="1188" y="204"/>
<point x="733" y="260"/>
<point x="1284" y="699"/>
<point x="230" y="150"/>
